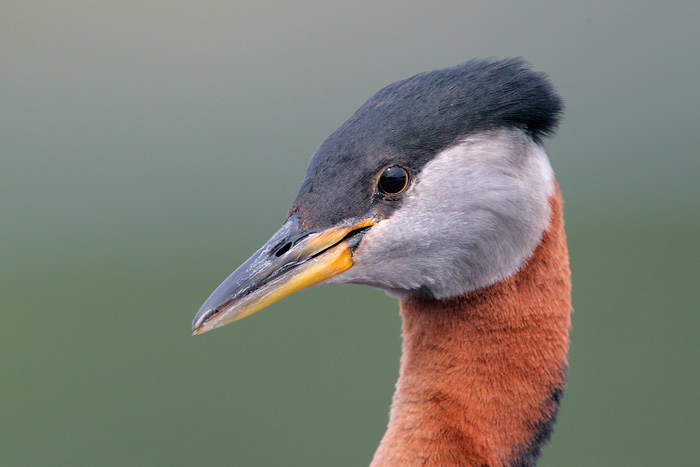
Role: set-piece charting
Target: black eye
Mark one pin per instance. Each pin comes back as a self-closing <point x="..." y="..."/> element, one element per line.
<point x="393" y="180"/>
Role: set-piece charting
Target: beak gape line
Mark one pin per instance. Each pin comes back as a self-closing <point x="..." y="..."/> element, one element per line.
<point x="291" y="260"/>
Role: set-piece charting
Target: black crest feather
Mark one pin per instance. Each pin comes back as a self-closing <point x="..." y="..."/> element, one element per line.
<point x="443" y="105"/>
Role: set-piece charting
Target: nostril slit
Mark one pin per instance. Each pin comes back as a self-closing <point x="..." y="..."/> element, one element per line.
<point x="285" y="248"/>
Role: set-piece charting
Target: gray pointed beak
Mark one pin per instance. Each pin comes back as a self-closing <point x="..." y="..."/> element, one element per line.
<point x="291" y="260"/>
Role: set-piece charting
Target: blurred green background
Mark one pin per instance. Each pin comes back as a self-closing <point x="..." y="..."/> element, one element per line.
<point x="147" y="148"/>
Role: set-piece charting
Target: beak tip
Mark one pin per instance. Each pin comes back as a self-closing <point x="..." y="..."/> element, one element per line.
<point x="200" y="319"/>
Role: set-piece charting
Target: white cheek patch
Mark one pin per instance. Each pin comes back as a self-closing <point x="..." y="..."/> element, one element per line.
<point x="473" y="216"/>
<point x="547" y="174"/>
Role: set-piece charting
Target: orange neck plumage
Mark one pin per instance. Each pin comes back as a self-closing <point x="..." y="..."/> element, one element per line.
<point x="481" y="375"/>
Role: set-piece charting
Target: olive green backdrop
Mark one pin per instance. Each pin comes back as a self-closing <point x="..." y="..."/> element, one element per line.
<point x="147" y="148"/>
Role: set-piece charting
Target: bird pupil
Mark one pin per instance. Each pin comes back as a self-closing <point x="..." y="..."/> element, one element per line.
<point x="394" y="180"/>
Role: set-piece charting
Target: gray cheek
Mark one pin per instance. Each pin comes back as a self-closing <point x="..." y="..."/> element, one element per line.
<point x="473" y="216"/>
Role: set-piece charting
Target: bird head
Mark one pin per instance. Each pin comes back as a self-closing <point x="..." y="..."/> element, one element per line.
<point x="437" y="186"/>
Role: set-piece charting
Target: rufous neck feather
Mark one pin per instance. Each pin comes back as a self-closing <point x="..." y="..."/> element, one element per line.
<point x="481" y="375"/>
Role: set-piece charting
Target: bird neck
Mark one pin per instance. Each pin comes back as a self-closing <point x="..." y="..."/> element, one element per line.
<point x="482" y="374"/>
